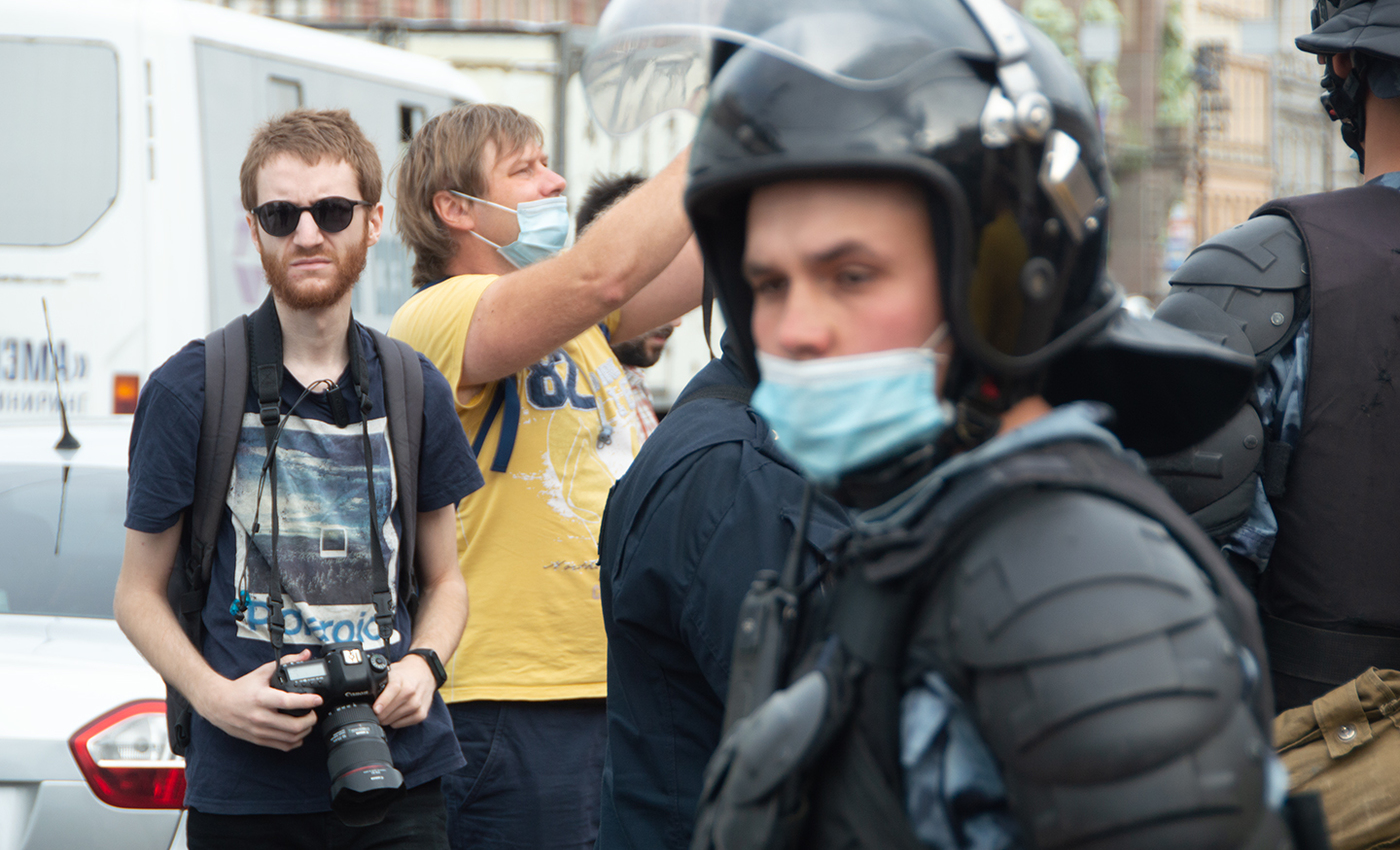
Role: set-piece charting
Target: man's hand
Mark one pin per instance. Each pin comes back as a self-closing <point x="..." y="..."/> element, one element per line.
<point x="247" y="708"/>
<point x="408" y="696"/>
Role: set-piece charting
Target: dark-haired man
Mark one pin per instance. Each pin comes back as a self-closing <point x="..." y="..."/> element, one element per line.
<point x="255" y="774"/>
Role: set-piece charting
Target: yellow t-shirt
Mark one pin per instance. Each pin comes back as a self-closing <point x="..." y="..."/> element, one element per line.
<point x="528" y="540"/>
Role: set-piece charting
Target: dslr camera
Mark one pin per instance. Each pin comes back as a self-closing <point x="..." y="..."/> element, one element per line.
<point x="364" y="782"/>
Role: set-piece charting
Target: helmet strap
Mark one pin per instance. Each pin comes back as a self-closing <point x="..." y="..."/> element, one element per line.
<point x="978" y="415"/>
<point x="980" y="410"/>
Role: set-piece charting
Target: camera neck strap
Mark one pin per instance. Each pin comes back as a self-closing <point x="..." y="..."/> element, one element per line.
<point x="266" y="371"/>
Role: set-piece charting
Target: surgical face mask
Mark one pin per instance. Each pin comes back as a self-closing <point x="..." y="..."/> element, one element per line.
<point x="544" y="225"/>
<point x="837" y="414"/>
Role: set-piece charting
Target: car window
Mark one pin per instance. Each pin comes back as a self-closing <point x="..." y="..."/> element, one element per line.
<point x="61" y="539"/>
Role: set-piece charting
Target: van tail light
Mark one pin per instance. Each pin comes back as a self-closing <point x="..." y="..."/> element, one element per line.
<point x="125" y="757"/>
<point x="125" y="389"/>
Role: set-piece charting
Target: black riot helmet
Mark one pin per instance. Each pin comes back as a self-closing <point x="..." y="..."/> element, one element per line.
<point x="966" y="100"/>
<point x="1370" y="31"/>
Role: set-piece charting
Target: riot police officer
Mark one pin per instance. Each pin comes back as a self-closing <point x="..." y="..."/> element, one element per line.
<point x="1301" y="487"/>
<point x="1023" y="641"/>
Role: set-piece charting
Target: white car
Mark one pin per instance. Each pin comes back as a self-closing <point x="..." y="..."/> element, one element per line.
<point x="84" y="757"/>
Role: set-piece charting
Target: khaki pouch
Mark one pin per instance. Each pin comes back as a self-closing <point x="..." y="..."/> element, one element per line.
<point x="1345" y="747"/>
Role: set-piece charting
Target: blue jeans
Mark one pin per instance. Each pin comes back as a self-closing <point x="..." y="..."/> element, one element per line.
<point x="532" y="776"/>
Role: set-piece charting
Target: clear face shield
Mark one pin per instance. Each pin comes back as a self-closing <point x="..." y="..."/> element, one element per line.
<point x="655" y="56"/>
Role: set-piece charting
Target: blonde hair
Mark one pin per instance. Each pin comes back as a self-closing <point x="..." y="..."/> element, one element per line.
<point x="312" y="135"/>
<point x="446" y="153"/>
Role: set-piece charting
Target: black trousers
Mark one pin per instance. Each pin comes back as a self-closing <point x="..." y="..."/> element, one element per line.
<point x="418" y="821"/>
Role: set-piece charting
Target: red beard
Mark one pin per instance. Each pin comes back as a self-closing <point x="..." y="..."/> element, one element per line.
<point x="315" y="295"/>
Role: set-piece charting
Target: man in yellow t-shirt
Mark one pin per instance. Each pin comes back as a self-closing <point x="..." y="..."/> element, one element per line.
<point x="523" y="337"/>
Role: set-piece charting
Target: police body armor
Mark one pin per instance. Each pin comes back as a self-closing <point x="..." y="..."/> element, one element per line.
<point x="1328" y="596"/>
<point x="970" y="590"/>
<point x="1246" y="289"/>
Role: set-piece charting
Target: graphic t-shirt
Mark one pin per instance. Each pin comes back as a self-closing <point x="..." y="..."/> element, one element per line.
<point x="641" y="396"/>
<point x="530" y="547"/>
<point x="323" y="557"/>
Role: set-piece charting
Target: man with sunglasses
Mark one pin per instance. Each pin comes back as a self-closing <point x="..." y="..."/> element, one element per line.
<point x="256" y="775"/>
<point x="522" y="335"/>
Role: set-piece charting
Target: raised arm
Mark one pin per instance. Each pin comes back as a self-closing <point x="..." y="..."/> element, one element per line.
<point x="673" y="292"/>
<point x="526" y="314"/>
<point x="246" y="707"/>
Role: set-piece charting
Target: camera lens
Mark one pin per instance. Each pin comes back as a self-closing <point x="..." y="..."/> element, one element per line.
<point x="364" y="782"/>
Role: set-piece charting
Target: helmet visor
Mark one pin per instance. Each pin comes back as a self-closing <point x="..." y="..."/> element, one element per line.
<point x="655" y="56"/>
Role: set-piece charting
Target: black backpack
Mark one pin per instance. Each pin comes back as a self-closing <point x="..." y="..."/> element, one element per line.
<point x="227" y="372"/>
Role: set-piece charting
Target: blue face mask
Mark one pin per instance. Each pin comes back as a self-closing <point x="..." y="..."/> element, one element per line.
<point x="544" y="226"/>
<point x="837" y="414"/>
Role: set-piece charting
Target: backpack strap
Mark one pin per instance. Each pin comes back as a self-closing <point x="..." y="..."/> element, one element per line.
<point x="403" y="399"/>
<point x="225" y="394"/>
<point x="507" y="396"/>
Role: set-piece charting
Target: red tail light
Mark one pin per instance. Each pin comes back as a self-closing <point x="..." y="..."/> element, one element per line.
<point x="126" y="759"/>
<point x="125" y="390"/>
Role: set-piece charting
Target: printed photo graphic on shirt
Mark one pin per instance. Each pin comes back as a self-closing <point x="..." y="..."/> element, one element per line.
<point x="577" y="404"/>
<point x="323" y="537"/>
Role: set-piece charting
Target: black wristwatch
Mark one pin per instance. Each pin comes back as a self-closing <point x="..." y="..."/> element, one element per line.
<point x="434" y="663"/>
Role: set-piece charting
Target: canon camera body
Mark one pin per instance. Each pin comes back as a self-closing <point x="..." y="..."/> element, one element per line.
<point x="364" y="781"/>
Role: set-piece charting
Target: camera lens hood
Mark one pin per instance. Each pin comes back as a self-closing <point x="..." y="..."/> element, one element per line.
<point x="364" y="781"/>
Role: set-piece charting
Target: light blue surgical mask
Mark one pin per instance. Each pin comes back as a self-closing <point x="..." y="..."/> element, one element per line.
<point x="544" y="227"/>
<point x="837" y="414"/>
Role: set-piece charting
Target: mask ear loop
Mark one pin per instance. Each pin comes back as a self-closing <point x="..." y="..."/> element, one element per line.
<point x="936" y="339"/>
<point x="477" y="200"/>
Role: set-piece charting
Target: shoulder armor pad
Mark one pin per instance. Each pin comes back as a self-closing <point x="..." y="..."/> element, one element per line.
<point x="1105" y="681"/>
<point x="1214" y="481"/>
<point x="1262" y="253"/>
<point x="1252" y="277"/>
<point x="1062" y="573"/>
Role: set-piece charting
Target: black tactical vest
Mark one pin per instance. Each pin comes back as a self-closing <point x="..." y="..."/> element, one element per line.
<point x="1336" y="563"/>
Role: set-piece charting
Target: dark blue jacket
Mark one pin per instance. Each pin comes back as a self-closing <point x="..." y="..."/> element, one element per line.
<point x="707" y="503"/>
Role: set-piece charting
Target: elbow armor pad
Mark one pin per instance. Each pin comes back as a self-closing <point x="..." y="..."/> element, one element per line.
<point x="1246" y="289"/>
<point x="1106" y="682"/>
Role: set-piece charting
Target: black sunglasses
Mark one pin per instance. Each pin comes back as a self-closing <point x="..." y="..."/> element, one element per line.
<point x="280" y="218"/>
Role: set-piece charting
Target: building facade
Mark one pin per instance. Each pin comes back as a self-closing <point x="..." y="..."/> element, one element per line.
<point x="1262" y="133"/>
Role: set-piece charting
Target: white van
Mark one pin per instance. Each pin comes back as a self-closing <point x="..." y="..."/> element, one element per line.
<point x="123" y="124"/>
